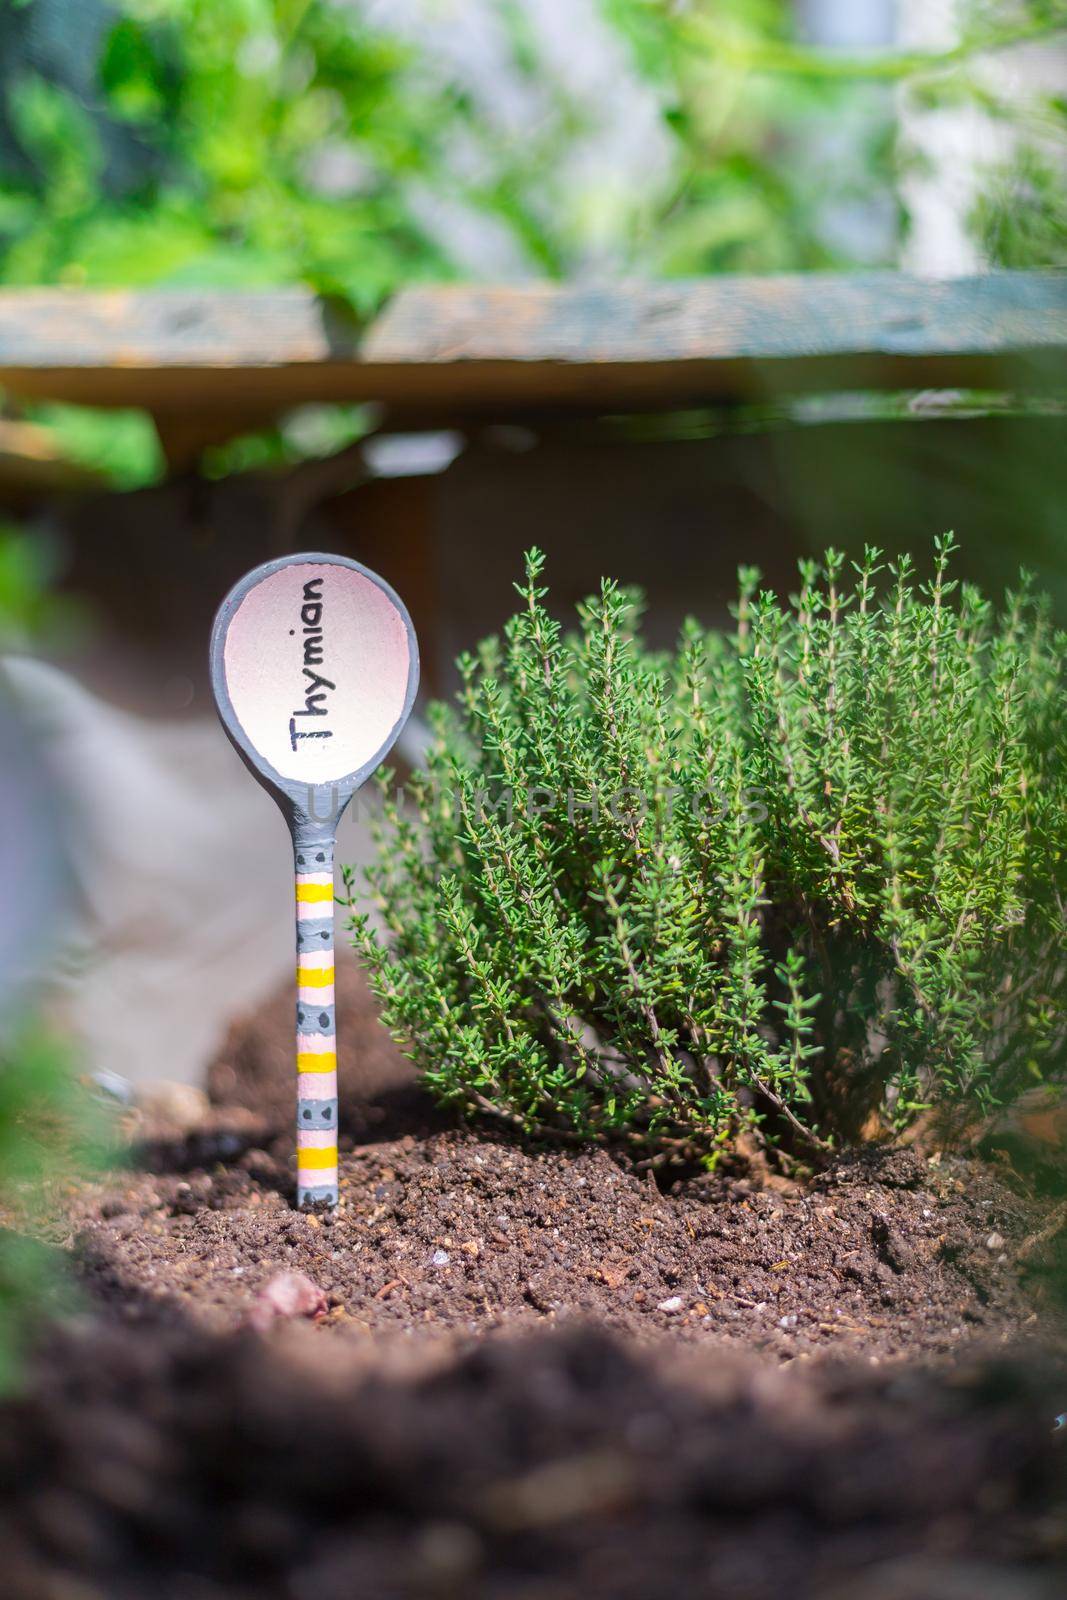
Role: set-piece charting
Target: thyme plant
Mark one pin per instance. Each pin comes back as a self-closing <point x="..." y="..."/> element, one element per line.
<point x="805" y="877"/>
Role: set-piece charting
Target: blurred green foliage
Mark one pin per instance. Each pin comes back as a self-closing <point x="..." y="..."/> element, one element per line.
<point x="121" y="445"/>
<point x="258" y="142"/>
<point x="50" y="1126"/>
<point x="747" y="109"/>
<point x="249" y="143"/>
<point x="309" y="432"/>
<point x="29" y="611"/>
<point x="51" y="1129"/>
<point x="1021" y="217"/>
<point x="756" y="171"/>
<point x="182" y="150"/>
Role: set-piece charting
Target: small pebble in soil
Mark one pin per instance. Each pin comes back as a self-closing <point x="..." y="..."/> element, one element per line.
<point x="673" y="1304"/>
<point x="113" y="1085"/>
<point x="288" y="1294"/>
<point x="440" y="1258"/>
<point x="995" y="1241"/>
<point x="447" y="1553"/>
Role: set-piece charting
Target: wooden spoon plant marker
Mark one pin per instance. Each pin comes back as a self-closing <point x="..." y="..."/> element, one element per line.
<point x="314" y="668"/>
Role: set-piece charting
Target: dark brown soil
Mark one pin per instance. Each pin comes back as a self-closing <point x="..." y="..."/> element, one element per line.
<point x="706" y="1388"/>
<point x="882" y="1255"/>
<point x="544" y="1467"/>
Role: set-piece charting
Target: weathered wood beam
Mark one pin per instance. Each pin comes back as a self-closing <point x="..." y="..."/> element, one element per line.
<point x="500" y="351"/>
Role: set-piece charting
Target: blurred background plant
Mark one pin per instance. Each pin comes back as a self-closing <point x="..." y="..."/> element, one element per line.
<point x="31" y="614"/>
<point x="354" y="146"/>
<point x="51" y="1124"/>
<point x="51" y="1129"/>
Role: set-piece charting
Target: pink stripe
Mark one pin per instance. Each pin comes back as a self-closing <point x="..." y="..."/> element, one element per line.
<point x="316" y="1086"/>
<point x="315" y="1044"/>
<point x="317" y="1177"/>
<point x="316" y="1138"/>
<point x="314" y="960"/>
<point x="314" y="877"/>
<point x="313" y="910"/>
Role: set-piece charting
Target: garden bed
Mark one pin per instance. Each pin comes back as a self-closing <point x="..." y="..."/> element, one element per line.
<point x="580" y="1378"/>
<point x="885" y="1253"/>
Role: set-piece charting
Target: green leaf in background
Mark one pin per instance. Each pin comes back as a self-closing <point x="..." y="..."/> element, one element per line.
<point x="123" y="445"/>
<point x="30" y="613"/>
<point x="132" y="75"/>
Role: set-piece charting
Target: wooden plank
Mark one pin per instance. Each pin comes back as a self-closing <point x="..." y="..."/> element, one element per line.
<point x="723" y="319"/>
<point x="495" y="351"/>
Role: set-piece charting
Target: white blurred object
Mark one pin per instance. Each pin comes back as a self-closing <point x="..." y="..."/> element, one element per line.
<point x="852" y="215"/>
<point x="412" y="455"/>
<point x="847" y="24"/>
<point x="30" y="864"/>
<point x="178" y="913"/>
<point x="113" y="1085"/>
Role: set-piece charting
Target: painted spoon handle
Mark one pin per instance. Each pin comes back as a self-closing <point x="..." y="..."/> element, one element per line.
<point x="316" y="1024"/>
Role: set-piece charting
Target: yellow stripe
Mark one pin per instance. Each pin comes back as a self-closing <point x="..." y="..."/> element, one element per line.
<point x="314" y="977"/>
<point x="314" y="891"/>
<point x="307" y="1062"/>
<point x="317" y="1159"/>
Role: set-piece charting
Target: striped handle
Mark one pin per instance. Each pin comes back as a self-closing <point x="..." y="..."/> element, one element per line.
<point x="316" y="1026"/>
